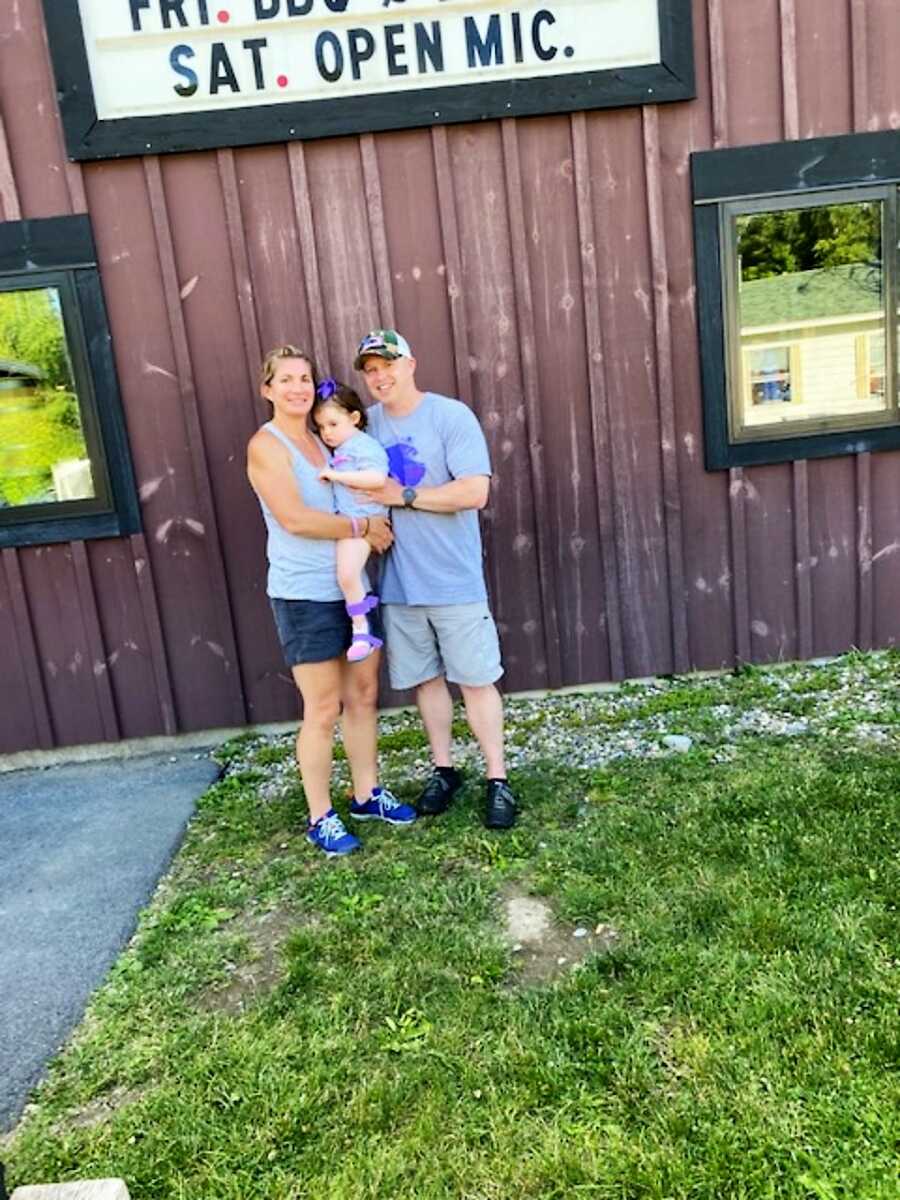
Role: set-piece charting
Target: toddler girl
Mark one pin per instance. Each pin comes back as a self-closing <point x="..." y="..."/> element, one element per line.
<point x="360" y="461"/>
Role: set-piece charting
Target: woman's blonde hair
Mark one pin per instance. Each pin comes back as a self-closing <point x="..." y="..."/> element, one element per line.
<point x="272" y="359"/>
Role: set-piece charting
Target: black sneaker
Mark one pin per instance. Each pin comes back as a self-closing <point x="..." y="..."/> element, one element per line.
<point x="437" y="794"/>
<point x="502" y="807"/>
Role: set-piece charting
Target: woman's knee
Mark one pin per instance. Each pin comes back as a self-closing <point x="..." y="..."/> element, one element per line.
<point x="361" y="695"/>
<point x="322" y="712"/>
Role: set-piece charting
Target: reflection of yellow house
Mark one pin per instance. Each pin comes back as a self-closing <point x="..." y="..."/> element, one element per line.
<point x="812" y="345"/>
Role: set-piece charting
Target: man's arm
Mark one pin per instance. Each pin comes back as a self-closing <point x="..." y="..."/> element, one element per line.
<point x="456" y="496"/>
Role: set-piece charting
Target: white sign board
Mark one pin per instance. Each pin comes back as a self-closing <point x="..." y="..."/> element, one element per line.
<point x="137" y="76"/>
<point x="149" y="57"/>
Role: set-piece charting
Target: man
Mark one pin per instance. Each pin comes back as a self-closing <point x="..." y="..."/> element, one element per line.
<point x="437" y="622"/>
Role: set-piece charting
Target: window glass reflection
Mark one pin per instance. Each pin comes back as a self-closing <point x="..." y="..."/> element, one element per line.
<point x="43" y="453"/>
<point x="811" y="315"/>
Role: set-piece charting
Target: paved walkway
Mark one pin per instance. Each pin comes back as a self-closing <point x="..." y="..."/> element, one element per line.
<point x="81" y="849"/>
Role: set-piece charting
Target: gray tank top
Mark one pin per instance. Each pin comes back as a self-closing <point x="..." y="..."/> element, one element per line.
<point x="301" y="568"/>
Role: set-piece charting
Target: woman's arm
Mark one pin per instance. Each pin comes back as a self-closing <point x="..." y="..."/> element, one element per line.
<point x="369" y="478"/>
<point x="272" y="478"/>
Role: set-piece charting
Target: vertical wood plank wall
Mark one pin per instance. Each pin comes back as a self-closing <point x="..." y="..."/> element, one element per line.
<point x="543" y="271"/>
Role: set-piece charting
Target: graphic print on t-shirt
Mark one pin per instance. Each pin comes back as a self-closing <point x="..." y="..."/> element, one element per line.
<point x="403" y="465"/>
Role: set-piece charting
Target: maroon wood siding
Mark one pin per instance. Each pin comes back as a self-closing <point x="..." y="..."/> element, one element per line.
<point x="543" y="272"/>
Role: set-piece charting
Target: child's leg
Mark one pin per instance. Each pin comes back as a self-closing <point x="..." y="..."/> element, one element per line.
<point x="352" y="555"/>
<point x="351" y="559"/>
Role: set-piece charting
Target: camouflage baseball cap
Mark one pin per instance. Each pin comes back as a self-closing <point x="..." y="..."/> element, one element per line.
<point x="386" y="343"/>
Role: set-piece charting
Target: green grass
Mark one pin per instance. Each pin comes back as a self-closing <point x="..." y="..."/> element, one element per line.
<point x="37" y="434"/>
<point x="739" y="1041"/>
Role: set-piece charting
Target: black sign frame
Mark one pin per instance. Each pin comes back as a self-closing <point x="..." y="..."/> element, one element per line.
<point x="88" y="138"/>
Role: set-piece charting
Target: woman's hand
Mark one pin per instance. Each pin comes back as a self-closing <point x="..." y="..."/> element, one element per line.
<point x="379" y="535"/>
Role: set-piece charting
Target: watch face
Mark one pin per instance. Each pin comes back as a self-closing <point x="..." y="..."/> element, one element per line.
<point x="409" y="494"/>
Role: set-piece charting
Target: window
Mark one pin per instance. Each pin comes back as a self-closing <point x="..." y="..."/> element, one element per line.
<point x="870" y="364"/>
<point x="65" y="471"/>
<point x="771" y="377"/>
<point x="797" y="298"/>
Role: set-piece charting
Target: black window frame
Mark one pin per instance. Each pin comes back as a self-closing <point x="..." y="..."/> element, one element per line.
<point x="59" y="252"/>
<point x="811" y="171"/>
<point x="88" y="137"/>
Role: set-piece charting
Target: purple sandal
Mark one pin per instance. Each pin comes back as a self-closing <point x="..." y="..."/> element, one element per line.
<point x="363" y="644"/>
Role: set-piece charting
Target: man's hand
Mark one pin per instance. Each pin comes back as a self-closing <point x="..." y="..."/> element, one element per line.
<point x="380" y="535"/>
<point x="389" y="494"/>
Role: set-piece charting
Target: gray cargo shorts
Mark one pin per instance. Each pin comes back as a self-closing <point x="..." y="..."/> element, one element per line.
<point x="458" y="641"/>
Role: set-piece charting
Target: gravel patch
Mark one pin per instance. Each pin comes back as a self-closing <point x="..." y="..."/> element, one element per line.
<point x="857" y="696"/>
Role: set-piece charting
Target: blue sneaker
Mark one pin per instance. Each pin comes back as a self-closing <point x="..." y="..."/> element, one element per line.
<point x="383" y="806"/>
<point x="329" y="835"/>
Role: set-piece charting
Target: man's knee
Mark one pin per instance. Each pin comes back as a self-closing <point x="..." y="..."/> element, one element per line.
<point x="475" y="693"/>
<point x="437" y="683"/>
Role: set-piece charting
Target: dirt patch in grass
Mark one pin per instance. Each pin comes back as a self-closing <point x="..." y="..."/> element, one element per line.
<point x="543" y="947"/>
<point x="252" y="980"/>
<point x="100" y="1109"/>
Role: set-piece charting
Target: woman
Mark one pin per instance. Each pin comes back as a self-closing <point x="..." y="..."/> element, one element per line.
<point x="284" y="461"/>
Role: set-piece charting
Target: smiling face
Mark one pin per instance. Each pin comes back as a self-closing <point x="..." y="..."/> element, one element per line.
<point x="335" y="424"/>
<point x="292" y="388"/>
<point x="392" y="381"/>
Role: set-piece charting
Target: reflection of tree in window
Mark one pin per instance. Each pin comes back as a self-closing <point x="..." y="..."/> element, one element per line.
<point x="809" y="239"/>
<point x="43" y="456"/>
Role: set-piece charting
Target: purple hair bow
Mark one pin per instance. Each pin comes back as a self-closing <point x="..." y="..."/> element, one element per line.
<point x="327" y="389"/>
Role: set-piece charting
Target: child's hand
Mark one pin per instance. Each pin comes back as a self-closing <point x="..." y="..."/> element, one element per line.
<point x="327" y="475"/>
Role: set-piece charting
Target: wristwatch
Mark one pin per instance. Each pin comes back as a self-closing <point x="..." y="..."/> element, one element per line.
<point x="409" y="495"/>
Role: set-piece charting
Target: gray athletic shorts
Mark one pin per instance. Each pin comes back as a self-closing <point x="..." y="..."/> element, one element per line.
<point x="458" y="641"/>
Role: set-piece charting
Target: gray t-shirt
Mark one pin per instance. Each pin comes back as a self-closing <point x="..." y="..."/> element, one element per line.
<point x="359" y="453"/>
<point x="436" y="557"/>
